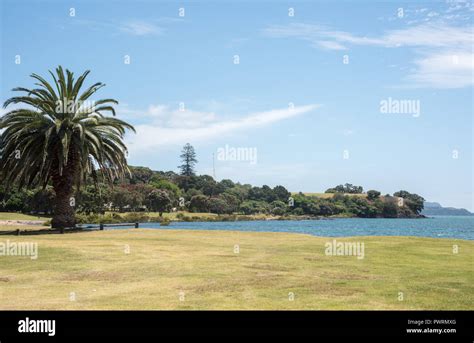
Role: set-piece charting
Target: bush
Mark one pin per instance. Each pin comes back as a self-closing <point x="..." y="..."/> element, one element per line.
<point x="136" y="217"/>
<point x="390" y="210"/>
<point x="227" y="218"/>
<point x="94" y="218"/>
<point x="278" y="208"/>
<point x="253" y="207"/>
<point x="199" y="203"/>
<point x="298" y="211"/>
<point x="372" y="194"/>
<point x="219" y="206"/>
<point x="86" y="219"/>
<point x="185" y="218"/>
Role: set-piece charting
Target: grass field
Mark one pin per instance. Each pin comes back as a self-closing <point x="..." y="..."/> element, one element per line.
<point x="20" y="216"/>
<point x="22" y="227"/>
<point x="179" y="269"/>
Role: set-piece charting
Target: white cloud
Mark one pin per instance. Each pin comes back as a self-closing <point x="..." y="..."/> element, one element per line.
<point x="141" y="28"/>
<point x="165" y="116"/>
<point x="430" y="36"/>
<point x="444" y="70"/>
<point x="460" y="5"/>
<point x="319" y="35"/>
<point x="436" y="45"/>
<point x="170" y="131"/>
<point x="348" y="132"/>
<point x="330" y="45"/>
<point x="132" y="27"/>
<point x="425" y="35"/>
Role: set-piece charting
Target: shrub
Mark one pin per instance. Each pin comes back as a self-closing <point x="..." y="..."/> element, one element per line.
<point x="199" y="203"/>
<point x="136" y="217"/>
<point x="298" y="211"/>
<point x="227" y="218"/>
<point x="372" y="194"/>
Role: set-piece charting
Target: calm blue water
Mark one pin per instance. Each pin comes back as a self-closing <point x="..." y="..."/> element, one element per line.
<point x="438" y="227"/>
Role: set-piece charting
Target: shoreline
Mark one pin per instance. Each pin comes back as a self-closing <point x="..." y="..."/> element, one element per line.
<point x="134" y="217"/>
<point x="48" y="231"/>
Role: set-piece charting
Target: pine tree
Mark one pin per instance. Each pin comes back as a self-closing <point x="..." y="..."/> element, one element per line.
<point x="188" y="157"/>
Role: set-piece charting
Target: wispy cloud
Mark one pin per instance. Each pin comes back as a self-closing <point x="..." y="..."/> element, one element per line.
<point x="318" y="35"/>
<point x="426" y="35"/>
<point x="131" y="27"/>
<point x="167" y="130"/>
<point x="450" y="12"/>
<point x="444" y="70"/>
<point x="141" y="28"/>
<point x="168" y="117"/>
<point x="445" y="58"/>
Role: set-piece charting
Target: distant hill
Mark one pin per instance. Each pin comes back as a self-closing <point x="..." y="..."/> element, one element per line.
<point x="435" y="209"/>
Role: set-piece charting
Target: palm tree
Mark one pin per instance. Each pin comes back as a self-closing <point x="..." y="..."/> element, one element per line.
<point x="61" y="137"/>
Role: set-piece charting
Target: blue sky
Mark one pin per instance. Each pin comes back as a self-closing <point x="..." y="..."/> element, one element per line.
<point x="314" y="120"/>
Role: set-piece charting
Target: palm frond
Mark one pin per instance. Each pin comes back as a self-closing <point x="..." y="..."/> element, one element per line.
<point x="43" y="138"/>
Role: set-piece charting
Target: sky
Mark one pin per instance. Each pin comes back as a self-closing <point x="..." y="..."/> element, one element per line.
<point x="310" y="94"/>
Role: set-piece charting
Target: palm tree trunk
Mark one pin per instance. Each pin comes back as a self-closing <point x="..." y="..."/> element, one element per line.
<point x="64" y="211"/>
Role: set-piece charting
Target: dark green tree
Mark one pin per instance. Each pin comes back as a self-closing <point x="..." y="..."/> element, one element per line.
<point x="414" y="202"/>
<point x="140" y="175"/>
<point x="218" y="205"/>
<point x="120" y="198"/>
<point x="199" y="203"/>
<point x="281" y="193"/>
<point x="372" y="194"/>
<point x="159" y="201"/>
<point x="188" y="159"/>
<point x="390" y="209"/>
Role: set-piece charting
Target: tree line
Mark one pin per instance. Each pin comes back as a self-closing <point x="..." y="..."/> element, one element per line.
<point x="147" y="190"/>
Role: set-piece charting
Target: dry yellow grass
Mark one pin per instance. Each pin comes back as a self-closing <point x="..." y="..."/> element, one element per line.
<point x="22" y="227"/>
<point x="180" y="269"/>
